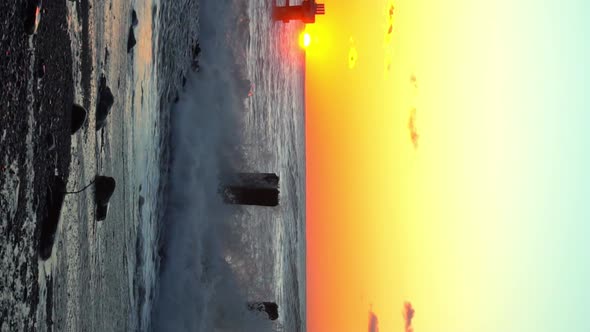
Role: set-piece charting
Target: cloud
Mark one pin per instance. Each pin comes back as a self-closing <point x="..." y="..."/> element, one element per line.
<point x="352" y="54"/>
<point x="373" y="322"/>
<point x="412" y="127"/>
<point x="408" y="315"/>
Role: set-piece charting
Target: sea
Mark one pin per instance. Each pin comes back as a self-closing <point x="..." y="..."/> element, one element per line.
<point x="239" y="108"/>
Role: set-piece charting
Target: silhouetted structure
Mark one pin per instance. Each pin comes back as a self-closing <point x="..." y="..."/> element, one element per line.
<point x="250" y="189"/>
<point x="305" y="12"/>
<point x="271" y="308"/>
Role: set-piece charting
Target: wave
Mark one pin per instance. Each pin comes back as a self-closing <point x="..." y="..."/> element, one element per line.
<point x="197" y="289"/>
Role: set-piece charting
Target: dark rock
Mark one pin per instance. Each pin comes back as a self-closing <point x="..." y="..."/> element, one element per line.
<point x="104" y="104"/>
<point x="134" y="20"/>
<point x="104" y="187"/>
<point x="131" y="40"/>
<point x="79" y="115"/>
<point x="102" y="211"/>
<point x="271" y="308"/>
<point x="55" y="198"/>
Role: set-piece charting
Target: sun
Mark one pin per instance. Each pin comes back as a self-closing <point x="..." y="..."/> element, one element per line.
<point x="304" y="40"/>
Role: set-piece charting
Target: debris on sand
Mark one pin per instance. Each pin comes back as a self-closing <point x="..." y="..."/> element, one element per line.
<point x="55" y="198"/>
<point x="50" y="140"/>
<point x="196" y="53"/>
<point x="79" y="115"/>
<point x="32" y="16"/>
<point x="104" y="104"/>
<point x="104" y="187"/>
<point x="41" y="69"/>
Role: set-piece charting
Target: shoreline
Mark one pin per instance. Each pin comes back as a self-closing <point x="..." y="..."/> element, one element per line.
<point x="33" y="110"/>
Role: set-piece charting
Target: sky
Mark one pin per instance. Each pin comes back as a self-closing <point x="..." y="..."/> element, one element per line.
<point x="447" y="184"/>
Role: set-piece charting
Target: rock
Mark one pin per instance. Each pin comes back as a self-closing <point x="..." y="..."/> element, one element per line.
<point x="134" y="20"/>
<point x="131" y="40"/>
<point x="79" y="115"/>
<point x="104" y="104"/>
<point x="102" y="211"/>
<point x="104" y="187"/>
<point x="55" y="198"/>
<point x="271" y="308"/>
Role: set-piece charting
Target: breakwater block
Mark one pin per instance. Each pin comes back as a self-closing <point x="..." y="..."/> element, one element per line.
<point x="260" y="189"/>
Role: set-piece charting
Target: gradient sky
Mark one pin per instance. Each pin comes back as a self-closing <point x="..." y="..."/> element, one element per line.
<point x="447" y="166"/>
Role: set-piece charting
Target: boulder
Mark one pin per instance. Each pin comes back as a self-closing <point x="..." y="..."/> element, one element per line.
<point x="270" y="308"/>
<point x="104" y="104"/>
<point x="56" y="191"/>
<point x="79" y="115"/>
<point x="131" y="40"/>
<point x="104" y="187"/>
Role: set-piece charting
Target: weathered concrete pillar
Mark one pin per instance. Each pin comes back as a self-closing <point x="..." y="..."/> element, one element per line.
<point x="260" y="189"/>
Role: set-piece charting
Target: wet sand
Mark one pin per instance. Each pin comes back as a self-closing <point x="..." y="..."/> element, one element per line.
<point x="32" y="110"/>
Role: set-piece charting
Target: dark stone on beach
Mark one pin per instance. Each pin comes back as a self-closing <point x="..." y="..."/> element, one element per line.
<point x="271" y="308"/>
<point x="104" y="187"/>
<point x="79" y="115"/>
<point x="131" y="40"/>
<point x="104" y="104"/>
<point x="31" y="16"/>
<point x="102" y="211"/>
<point x="55" y="198"/>
<point x="134" y="20"/>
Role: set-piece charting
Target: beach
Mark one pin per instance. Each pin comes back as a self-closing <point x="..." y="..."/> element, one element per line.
<point x="114" y="274"/>
<point x="92" y="280"/>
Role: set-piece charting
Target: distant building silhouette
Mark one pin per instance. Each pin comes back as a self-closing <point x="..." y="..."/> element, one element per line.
<point x="305" y="12"/>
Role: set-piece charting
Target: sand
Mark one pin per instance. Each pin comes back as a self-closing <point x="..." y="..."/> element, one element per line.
<point x="90" y="281"/>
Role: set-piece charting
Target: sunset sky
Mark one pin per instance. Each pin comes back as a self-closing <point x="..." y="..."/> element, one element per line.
<point x="447" y="166"/>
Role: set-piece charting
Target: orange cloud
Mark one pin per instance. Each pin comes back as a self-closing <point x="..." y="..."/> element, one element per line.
<point x="412" y="127"/>
<point x="373" y="322"/>
<point x="408" y="314"/>
<point x="414" y="81"/>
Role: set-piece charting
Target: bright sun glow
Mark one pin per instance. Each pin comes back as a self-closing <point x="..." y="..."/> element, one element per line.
<point x="304" y="40"/>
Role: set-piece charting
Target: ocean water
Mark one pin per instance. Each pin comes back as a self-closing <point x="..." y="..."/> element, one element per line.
<point x="242" y="111"/>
